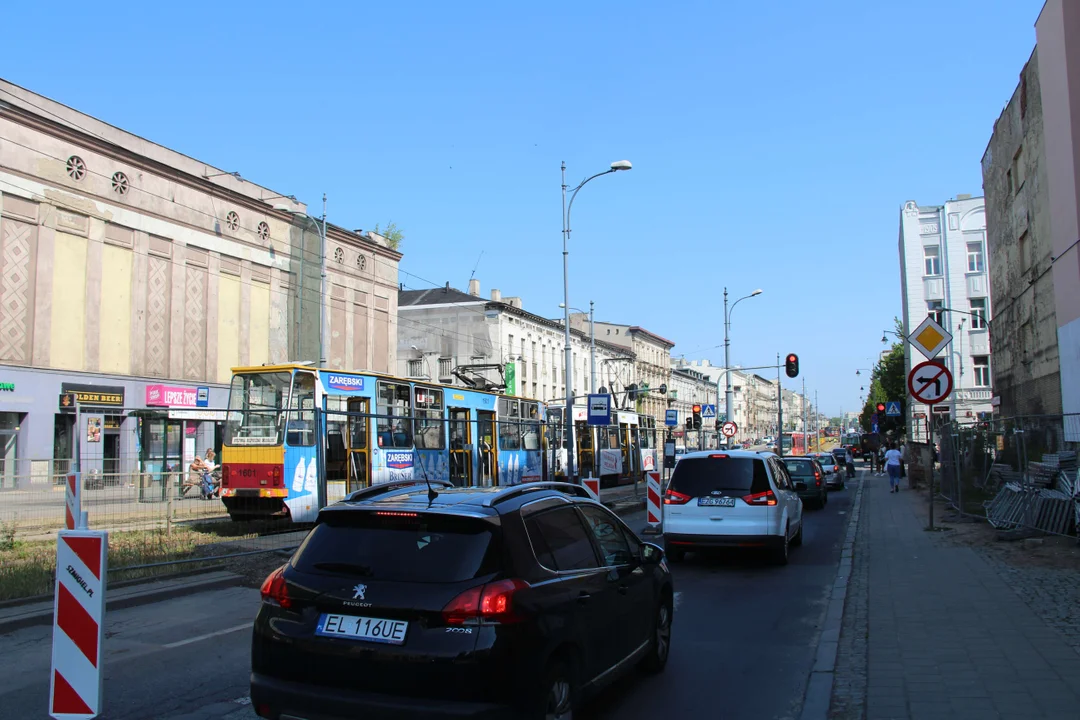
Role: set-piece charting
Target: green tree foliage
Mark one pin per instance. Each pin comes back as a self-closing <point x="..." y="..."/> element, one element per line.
<point x="394" y="236"/>
<point x="888" y="382"/>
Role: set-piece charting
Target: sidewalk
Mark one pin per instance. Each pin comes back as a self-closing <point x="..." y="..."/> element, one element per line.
<point x="932" y="630"/>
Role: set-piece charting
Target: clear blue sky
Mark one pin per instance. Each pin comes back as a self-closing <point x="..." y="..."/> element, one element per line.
<point x="773" y="143"/>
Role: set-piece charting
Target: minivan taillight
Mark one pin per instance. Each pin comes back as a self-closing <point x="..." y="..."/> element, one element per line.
<point x="674" y="497"/>
<point x="493" y="602"/>
<point x="273" y="589"/>
<point x="761" y="498"/>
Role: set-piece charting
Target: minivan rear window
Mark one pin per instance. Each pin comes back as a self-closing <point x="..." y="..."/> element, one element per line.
<point x="401" y="547"/>
<point x="699" y="476"/>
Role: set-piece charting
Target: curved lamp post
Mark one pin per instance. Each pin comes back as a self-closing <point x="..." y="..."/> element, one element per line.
<point x="727" y="347"/>
<point x="320" y="224"/>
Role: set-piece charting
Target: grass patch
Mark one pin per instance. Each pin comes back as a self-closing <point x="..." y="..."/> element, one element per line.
<point x="28" y="568"/>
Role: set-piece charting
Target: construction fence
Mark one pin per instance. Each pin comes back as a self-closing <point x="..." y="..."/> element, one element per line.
<point x="1018" y="473"/>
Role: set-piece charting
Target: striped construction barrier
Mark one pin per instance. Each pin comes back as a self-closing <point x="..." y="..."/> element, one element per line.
<point x="75" y="682"/>
<point x="592" y="485"/>
<point x="72" y="501"/>
<point x="653" y="501"/>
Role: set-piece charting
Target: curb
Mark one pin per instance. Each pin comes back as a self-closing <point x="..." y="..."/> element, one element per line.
<point x="41" y="613"/>
<point x="818" y="695"/>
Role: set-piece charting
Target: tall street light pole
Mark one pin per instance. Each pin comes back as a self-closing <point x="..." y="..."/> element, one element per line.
<point x="592" y="344"/>
<point x="568" y="419"/>
<point x="727" y="347"/>
<point x="320" y="224"/>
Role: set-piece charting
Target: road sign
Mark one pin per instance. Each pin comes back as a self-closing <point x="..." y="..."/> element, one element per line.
<point x="653" y="500"/>
<point x="930" y="338"/>
<point x="592" y="486"/>
<point x="729" y="429"/>
<point x="708" y="412"/>
<point x="599" y="410"/>
<point x="892" y="408"/>
<point x="930" y="382"/>
<point x="874" y="419"/>
<point x="873" y="427"/>
<point x="671" y="418"/>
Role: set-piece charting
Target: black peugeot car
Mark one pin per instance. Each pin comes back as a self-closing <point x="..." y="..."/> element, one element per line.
<point x="439" y="602"/>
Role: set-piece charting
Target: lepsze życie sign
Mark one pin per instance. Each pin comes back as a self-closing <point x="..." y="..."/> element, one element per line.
<point x="99" y="395"/>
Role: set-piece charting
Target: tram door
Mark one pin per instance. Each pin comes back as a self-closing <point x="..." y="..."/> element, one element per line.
<point x="586" y="456"/>
<point x="627" y="450"/>
<point x="359" y="467"/>
<point x="461" y="464"/>
<point x="489" y="458"/>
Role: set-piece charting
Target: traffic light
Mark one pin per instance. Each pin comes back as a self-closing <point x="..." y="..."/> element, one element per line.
<point x="697" y="417"/>
<point x="791" y="365"/>
<point x="881" y="407"/>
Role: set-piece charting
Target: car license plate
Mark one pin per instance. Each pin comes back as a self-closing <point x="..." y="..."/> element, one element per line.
<point x="354" y="627"/>
<point x="716" y="502"/>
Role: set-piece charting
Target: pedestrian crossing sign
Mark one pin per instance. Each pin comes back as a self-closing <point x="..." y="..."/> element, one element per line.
<point x="892" y="408"/>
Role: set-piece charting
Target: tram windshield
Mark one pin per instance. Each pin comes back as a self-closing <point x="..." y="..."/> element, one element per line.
<point x="256" y="402"/>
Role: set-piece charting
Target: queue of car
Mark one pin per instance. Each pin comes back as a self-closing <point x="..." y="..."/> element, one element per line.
<point x="421" y="599"/>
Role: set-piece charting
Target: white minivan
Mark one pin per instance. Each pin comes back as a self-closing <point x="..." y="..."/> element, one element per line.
<point x="731" y="498"/>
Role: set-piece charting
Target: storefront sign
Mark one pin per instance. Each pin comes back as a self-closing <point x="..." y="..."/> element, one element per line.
<point x="169" y="396"/>
<point x="7" y="387"/>
<point x="211" y="415"/>
<point x="112" y="396"/>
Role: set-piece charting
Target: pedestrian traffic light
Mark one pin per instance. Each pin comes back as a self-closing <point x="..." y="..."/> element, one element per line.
<point x="791" y="366"/>
<point x="697" y="417"/>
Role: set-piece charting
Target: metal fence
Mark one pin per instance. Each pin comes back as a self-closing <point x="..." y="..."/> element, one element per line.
<point x="1018" y="473"/>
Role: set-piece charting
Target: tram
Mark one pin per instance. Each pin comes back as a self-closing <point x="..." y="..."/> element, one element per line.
<point x="298" y="437"/>
<point x="619" y="454"/>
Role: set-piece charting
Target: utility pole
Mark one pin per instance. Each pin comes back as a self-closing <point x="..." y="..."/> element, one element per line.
<point x="805" y="435"/>
<point x="592" y="349"/>
<point x="779" y="409"/>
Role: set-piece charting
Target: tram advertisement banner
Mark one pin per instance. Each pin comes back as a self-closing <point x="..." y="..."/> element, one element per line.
<point x="611" y="462"/>
<point x="648" y="460"/>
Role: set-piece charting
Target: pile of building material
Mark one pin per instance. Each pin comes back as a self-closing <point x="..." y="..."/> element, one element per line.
<point x="999" y="475"/>
<point x="1046" y="498"/>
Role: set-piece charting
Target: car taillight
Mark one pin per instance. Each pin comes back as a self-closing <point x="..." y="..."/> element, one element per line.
<point x="273" y="589"/>
<point x="836" y="468"/>
<point x="493" y="602"/>
<point x="817" y="476"/>
<point x="761" y="498"/>
<point x="673" y="497"/>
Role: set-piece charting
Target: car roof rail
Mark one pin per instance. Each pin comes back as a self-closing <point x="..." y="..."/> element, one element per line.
<point x="382" y="488"/>
<point x="516" y="490"/>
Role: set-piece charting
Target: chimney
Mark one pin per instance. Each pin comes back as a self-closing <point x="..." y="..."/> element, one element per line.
<point x="516" y="302"/>
<point x="496" y="295"/>
<point x="474" y="288"/>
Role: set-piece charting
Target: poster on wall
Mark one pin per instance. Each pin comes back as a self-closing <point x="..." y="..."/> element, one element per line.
<point x="93" y="429"/>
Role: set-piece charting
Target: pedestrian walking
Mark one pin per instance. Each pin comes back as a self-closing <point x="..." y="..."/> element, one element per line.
<point x="849" y="461"/>
<point x="892" y="465"/>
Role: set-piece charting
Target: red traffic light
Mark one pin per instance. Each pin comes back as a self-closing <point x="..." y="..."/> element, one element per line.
<point x="791" y="365"/>
<point x="881" y="407"/>
<point x="697" y="409"/>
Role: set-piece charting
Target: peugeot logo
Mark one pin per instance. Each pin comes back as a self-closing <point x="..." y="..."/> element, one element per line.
<point x="358" y="592"/>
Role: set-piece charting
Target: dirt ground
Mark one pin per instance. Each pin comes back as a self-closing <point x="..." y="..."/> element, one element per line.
<point x="1049" y="551"/>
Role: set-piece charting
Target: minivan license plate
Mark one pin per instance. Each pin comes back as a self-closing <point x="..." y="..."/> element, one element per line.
<point x="354" y="627"/>
<point x="716" y="502"/>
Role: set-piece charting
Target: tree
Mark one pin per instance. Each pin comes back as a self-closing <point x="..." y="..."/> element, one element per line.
<point x="394" y="236"/>
<point x="835" y="421"/>
<point x="888" y="382"/>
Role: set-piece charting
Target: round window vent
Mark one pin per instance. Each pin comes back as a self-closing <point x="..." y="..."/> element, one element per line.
<point x="361" y="261"/>
<point x="339" y="255"/>
<point x="120" y="183"/>
<point x="232" y="221"/>
<point x="76" y="168"/>
<point x="264" y="231"/>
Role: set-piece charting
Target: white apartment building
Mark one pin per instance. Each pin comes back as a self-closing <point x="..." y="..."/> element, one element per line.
<point x="689" y="387"/>
<point x="944" y="273"/>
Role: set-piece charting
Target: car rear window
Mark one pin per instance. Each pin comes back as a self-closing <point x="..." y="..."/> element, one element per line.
<point x="698" y="477"/>
<point x="799" y="468"/>
<point x="401" y="547"/>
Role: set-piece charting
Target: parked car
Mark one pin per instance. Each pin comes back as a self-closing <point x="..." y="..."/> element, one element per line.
<point x="833" y="467"/>
<point x="749" y="491"/>
<point x="410" y="602"/>
<point x="809" y="479"/>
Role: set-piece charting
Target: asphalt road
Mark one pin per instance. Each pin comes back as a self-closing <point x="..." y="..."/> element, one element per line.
<point x="743" y="643"/>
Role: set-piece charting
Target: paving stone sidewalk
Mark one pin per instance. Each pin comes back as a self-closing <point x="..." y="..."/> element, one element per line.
<point x="933" y="630"/>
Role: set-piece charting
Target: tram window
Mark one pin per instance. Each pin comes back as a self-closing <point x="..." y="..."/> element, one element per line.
<point x="509" y="424"/>
<point x="530" y="436"/>
<point x="301" y="427"/>
<point x="429" y="419"/>
<point x="394" y="408"/>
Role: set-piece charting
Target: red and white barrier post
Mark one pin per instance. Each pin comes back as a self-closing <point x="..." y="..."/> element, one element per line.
<point x="653" y="503"/>
<point x="75" y="682"/>
<point x="592" y="485"/>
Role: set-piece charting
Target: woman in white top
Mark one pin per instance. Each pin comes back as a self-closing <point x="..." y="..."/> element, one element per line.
<point x="892" y="467"/>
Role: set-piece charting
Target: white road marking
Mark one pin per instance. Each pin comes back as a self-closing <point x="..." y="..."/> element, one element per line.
<point x="246" y="700"/>
<point x="677" y="598"/>
<point x="207" y="636"/>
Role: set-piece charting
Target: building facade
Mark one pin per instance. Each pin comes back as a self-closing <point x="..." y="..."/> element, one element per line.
<point x="943" y="272"/>
<point x="1023" y="329"/>
<point x="126" y="265"/>
<point x="690" y="387"/>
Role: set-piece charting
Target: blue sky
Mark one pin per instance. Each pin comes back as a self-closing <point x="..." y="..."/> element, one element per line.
<point x="773" y="143"/>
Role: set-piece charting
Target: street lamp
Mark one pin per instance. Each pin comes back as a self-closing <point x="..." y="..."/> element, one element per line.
<point x="981" y="316"/>
<point x="858" y="371"/>
<point x="592" y="345"/>
<point x="727" y="346"/>
<point x="321" y="226"/>
<point x="890" y="332"/>
<point x="568" y="420"/>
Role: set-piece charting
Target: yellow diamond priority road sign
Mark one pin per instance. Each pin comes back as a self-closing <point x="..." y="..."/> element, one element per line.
<point x="930" y="338"/>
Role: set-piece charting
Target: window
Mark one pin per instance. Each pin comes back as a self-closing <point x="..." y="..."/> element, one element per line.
<point x="301" y="426"/>
<point x="429" y="419"/>
<point x="560" y="540"/>
<point x="932" y="256"/>
<point x="255" y="404"/>
<point x="530" y="428"/>
<point x="1018" y="170"/>
<point x="982" y="370"/>
<point x="445" y="367"/>
<point x="613" y="546"/>
<point x="394" y="408"/>
<point x="509" y="424"/>
<point x="1023" y="248"/>
<point x="975" y="256"/>
<point x="978" y="313"/>
<point x="936" y="310"/>
<point x="416" y="368"/>
<point x="76" y="168"/>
